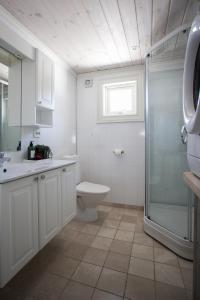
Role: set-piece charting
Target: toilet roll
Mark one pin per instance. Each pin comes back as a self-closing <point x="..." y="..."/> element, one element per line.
<point x="118" y="152"/>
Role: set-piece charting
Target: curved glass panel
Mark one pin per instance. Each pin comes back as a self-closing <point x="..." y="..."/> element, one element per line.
<point x="168" y="198"/>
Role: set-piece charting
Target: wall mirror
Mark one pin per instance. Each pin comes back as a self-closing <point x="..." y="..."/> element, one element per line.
<point x="10" y="101"/>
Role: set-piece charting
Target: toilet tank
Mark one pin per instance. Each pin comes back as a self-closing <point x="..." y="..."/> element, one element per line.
<point x="77" y="166"/>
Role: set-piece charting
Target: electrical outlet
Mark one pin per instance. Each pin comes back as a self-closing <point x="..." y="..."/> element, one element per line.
<point x="36" y="132"/>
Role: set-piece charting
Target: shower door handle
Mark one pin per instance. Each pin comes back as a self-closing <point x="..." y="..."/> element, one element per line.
<point x="184" y="135"/>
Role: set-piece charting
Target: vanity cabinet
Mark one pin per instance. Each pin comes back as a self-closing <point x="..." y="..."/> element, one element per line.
<point x="38" y="91"/>
<point x="49" y="193"/>
<point x="19" y="225"/>
<point x="68" y="194"/>
<point x="33" y="210"/>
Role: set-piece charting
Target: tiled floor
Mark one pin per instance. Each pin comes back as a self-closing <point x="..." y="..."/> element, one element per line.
<point x="110" y="259"/>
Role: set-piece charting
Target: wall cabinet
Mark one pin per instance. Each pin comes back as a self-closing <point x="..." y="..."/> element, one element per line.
<point x="44" y="80"/>
<point x="38" y="91"/>
<point x="19" y="225"/>
<point x="32" y="211"/>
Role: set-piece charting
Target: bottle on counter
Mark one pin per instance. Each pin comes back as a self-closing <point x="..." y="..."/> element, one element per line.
<point x="31" y="151"/>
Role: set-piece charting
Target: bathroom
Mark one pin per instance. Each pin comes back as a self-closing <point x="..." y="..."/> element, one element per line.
<point x="111" y="210"/>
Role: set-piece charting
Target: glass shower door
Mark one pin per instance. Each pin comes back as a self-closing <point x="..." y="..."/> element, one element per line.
<point x="168" y="198"/>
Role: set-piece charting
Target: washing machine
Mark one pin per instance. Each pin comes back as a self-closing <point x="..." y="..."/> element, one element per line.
<point x="191" y="96"/>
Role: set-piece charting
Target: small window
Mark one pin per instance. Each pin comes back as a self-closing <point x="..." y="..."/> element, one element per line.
<point x="120" y="101"/>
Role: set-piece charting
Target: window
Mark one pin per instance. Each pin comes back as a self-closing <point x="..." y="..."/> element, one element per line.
<point x="121" y="100"/>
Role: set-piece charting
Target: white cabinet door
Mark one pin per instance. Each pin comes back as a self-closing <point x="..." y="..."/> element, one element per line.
<point x="49" y="206"/>
<point x="68" y="188"/>
<point x="45" y="80"/>
<point x="19" y="225"/>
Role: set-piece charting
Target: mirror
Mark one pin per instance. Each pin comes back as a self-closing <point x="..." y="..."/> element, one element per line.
<point x="10" y="101"/>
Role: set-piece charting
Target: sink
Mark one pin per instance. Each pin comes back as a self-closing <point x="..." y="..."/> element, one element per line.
<point x="27" y="168"/>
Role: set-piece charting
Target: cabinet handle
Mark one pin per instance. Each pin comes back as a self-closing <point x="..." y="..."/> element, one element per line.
<point x="42" y="176"/>
<point x="64" y="170"/>
<point x="36" y="179"/>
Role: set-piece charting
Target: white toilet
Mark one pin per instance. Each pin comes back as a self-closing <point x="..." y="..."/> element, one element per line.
<point x="89" y="195"/>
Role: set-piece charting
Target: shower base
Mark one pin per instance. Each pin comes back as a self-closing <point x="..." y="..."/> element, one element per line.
<point x="170" y="214"/>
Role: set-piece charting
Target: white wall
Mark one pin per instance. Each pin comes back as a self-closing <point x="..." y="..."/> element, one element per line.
<point x="61" y="137"/>
<point x="126" y="175"/>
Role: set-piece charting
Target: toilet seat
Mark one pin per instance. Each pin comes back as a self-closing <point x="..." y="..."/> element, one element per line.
<point x="92" y="188"/>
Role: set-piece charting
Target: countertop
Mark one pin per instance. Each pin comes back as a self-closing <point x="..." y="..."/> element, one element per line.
<point x="193" y="182"/>
<point x="24" y="169"/>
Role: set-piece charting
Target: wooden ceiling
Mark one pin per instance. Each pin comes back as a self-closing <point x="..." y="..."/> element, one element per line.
<point x="100" y="34"/>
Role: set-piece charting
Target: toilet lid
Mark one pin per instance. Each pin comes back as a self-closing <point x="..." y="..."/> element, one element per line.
<point x="92" y="188"/>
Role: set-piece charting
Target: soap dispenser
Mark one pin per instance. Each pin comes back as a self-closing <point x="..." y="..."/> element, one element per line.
<point x="31" y="151"/>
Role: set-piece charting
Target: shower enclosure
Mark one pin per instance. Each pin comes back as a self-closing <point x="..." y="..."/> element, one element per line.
<point x="169" y="204"/>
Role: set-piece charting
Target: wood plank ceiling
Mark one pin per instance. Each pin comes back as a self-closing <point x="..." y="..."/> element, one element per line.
<point x="100" y="34"/>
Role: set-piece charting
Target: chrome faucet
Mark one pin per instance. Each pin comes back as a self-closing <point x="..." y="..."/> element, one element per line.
<point x="3" y="158"/>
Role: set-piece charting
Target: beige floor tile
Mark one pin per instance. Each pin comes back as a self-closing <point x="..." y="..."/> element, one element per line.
<point x="118" y="210"/>
<point x="127" y="226"/>
<point x="143" y="239"/>
<point x="156" y="244"/>
<point x="99" y="222"/>
<point x="139" y="227"/>
<point x="90" y="229"/>
<point x="118" y="262"/>
<point x="48" y="286"/>
<point x="141" y="267"/>
<point x="168" y="274"/>
<point x="129" y="219"/>
<point x="167" y="292"/>
<point x="77" y="291"/>
<point x="63" y="266"/>
<point x="186" y="264"/>
<point x="95" y="256"/>
<point x="187" y="278"/>
<point x="45" y="256"/>
<point x="67" y="234"/>
<point x="76" y="251"/>
<point x="130" y="212"/>
<point x="111" y="223"/>
<point x="104" y="208"/>
<point x="140" y="213"/>
<point x="27" y="278"/>
<point x="102" y="243"/>
<point x="87" y="273"/>
<point x="75" y="225"/>
<point x="112" y="281"/>
<point x="85" y="239"/>
<point x="114" y="216"/>
<point x="121" y="247"/>
<point x="102" y="215"/>
<point x="58" y="243"/>
<point x="107" y="232"/>
<point x="124" y="235"/>
<point x="101" y="295"/>
<point x="139" y="288"/>
<point x="142" y="251"/>
<point x="165" y="256"/>
<point x="9" y="294"/>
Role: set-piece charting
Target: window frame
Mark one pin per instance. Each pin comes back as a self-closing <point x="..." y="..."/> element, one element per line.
<point x="139" y="116"/>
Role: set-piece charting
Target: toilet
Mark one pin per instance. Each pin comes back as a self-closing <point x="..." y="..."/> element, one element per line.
<point x="89" y="195"/>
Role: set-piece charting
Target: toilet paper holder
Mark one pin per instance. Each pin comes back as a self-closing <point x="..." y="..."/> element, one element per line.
<point x="118" y="152"/>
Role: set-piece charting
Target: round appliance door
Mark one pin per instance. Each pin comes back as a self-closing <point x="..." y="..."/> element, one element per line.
<point x="191" y="80"/>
